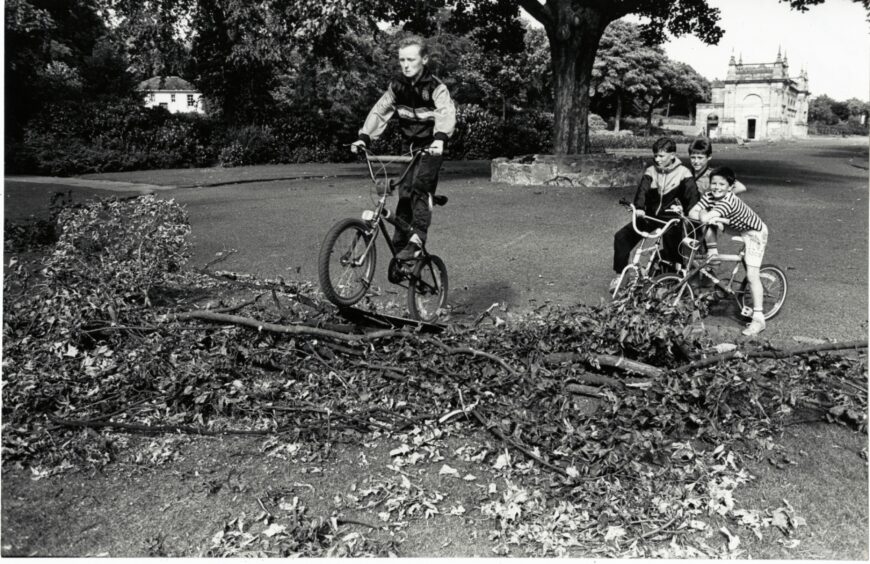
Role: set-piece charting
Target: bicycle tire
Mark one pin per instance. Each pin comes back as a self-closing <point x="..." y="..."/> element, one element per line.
<point x="341" y="281"/>
<point x="775" y="285"/>
<point x="665" y="285"/>
<point x="427" y="289"/>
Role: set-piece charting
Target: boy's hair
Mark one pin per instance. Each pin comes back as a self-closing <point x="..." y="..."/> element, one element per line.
<point x="665" y="144"/>
<point x="701" y="145"/>
<point x="726" y="173"/>
<point x="415" y="40"/>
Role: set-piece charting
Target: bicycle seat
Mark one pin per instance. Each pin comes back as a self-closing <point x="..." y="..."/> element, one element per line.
<point x="439" y="200"/>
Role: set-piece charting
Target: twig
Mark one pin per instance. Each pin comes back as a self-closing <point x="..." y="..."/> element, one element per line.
<point x="472" y="352"/>
<point x="269" y="513"/>
<point x="224" y="256"/>
<point x="374" y="366"/>
<point x="121" y="328"/>
<point x="612" y="361"/>
<point x="654" y="531"/>
<point x="498" y="433"/>
<point x="771" y="354"/>
<point x="349" y="521"/>
<point x="237" y="307"/>
<point x="278" y="305"/>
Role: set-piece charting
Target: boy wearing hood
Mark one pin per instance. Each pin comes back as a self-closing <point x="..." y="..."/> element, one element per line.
<point x="666" y="185"/>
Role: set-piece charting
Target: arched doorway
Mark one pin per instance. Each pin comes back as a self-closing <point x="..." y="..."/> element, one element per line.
<point x="751" y="110"/>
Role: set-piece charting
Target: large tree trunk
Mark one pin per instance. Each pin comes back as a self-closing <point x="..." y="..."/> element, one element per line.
<point x="574" y="34"/>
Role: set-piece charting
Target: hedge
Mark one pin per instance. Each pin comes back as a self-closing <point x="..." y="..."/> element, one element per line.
<point x="119" y="135"/>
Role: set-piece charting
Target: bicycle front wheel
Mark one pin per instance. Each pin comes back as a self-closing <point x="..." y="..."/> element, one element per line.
<point x="775" y="286"/>
<point x="669" y="288"/>
<point x="346" y="264"/>
<point x="427" y="289"/>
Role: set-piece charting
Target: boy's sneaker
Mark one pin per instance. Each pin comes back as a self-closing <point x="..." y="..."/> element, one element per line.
<point x="757" y="326"/>
<point x="410" y="252"/>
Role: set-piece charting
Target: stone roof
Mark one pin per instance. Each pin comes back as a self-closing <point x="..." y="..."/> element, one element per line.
<point x="157" y="83"/>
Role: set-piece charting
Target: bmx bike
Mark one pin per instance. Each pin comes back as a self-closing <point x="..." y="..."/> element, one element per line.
<point x="348" y="254"/>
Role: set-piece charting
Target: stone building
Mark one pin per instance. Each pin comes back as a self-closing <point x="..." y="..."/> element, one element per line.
<point x="757" y="101"/>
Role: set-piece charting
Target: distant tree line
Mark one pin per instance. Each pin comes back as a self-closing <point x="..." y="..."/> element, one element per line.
<point x="827" y="116"/>
<point x="72" y="70"/>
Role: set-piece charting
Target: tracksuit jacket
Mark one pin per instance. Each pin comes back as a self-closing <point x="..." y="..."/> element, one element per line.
<point x="426" y="113"/>
<point x="656" y="192"/>
<point x="659" y="189"/>
<point x="425" y="109"/>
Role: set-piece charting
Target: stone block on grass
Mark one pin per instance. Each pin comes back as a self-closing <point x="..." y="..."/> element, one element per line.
<point x="596" y="170"/>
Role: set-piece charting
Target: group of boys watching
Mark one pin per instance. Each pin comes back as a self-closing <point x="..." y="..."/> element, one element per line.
<point x="668" y="188"/>
<point x="427" y="118"/>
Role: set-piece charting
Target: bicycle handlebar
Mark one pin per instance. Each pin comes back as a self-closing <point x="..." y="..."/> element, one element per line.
<point x="665" y="225"/>
<point x="383" y="160"/>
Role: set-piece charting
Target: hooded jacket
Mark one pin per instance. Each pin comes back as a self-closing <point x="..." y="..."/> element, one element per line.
<point x="425" y="109"/>
<point x="659" y="189"/>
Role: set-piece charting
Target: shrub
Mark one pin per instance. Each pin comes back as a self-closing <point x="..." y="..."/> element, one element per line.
<point x="307" y="135"/>
<point x="478" y="133"/>
<point x="527" y="133"/>
<point x="247" y="145"/>
<point x="105" y="136"/>
<point x="596" y="123"/>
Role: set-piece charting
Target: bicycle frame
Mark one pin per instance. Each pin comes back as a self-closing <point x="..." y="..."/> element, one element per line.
<point x="381" y="213"/>
<point x="650" y="245"/>
<point x="701" y="268"/>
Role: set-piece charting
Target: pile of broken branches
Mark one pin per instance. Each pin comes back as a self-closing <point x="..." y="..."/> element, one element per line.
<point x="595" y="396"/>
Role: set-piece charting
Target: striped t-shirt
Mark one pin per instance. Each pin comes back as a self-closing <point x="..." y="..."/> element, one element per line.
<point x="740" y="217"/>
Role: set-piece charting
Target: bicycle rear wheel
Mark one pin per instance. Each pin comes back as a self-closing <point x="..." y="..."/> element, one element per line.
<point x="346" y="264"/>
<point x="427" y="289"/>
<point x="669" y="288"/>
<point x="775" y="286"/>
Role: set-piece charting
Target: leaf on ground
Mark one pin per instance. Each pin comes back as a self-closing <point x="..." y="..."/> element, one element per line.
<point x="733" y="540"/>
<point x="448" y="471"/>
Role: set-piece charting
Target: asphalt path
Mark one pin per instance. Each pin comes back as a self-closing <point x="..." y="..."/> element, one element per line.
<point x="522" y="246"/>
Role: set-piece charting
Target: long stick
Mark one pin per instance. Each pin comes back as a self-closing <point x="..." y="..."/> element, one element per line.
<point x="275" y="328"/>
<point x="136" y="427"/>
<point x="619" y="362"/>
<point x="772" y="354"/>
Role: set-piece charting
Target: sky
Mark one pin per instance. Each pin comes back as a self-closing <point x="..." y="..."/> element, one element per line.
<point x="831" y="41"/>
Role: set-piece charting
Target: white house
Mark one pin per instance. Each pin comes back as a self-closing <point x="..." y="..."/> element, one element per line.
<point x="171" y="92"/>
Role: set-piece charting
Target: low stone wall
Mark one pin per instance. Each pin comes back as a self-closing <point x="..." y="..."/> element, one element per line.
<point x="597" y="170"/>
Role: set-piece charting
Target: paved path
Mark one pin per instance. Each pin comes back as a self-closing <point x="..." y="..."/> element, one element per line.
<point x="523" y="246"/>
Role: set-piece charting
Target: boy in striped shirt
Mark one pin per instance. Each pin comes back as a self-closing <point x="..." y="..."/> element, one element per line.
<point x="719" y="204"/>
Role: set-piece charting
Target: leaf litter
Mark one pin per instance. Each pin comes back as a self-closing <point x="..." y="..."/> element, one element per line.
<point x="99" y="342"/>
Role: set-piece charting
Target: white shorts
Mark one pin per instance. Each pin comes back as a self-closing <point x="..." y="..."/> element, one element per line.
<point x="755" y="241"/>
